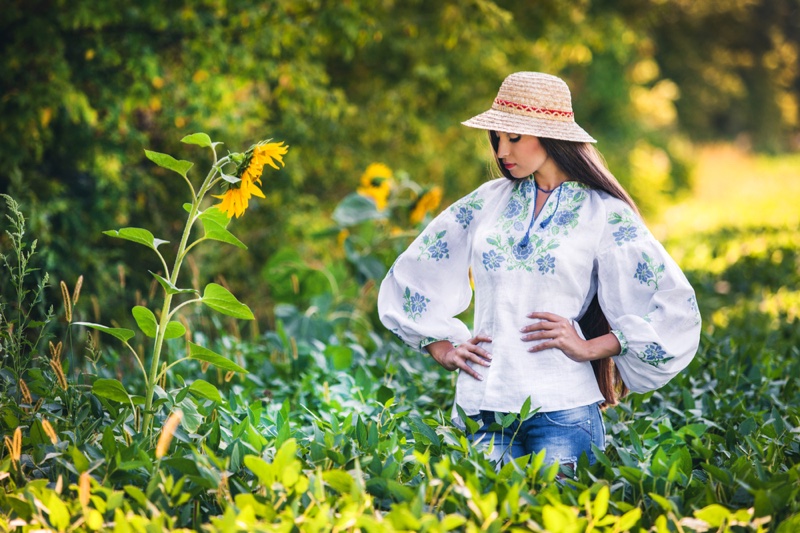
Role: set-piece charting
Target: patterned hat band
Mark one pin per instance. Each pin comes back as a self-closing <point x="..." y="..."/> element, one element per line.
<point x="532" y="103"/>
<point x="522" y="109"/>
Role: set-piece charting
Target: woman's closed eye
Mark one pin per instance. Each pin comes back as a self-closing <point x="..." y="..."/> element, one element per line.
<point x="515" y="139"/>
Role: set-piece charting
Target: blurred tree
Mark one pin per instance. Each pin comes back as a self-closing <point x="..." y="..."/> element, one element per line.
<point x="86" y="86"/>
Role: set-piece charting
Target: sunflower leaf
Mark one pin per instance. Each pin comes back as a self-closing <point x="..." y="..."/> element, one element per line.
<point x="169" y="162"/>
<point x="199" y="139"/>
<point x="204" y="354"/>
<point x="355" y="209"/>
<point x="122" y="334"/>
<point x="170" y="287"/>
<point x="220" y="299"/>
<point x="146" y="320"/>
<point x="139" y="235"/>
<point x="219" y="233"/>
<point x="174" y="330"/>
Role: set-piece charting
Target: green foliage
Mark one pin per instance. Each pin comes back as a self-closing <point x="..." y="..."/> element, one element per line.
<point x="330" y="431"/>
<point x="350" y="83"/>
<point x="22" y="317"/>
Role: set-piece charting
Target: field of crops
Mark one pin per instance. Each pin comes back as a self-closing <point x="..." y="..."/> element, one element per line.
<point x="338" y="427"/>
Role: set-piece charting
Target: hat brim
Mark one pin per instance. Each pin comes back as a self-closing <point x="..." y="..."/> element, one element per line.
<point x="525" y="125"/>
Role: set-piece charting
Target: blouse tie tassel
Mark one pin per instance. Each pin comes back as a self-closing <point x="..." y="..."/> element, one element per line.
<point x="526" y="239"/>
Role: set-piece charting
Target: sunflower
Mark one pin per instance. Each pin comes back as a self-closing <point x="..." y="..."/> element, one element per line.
<point x="236" y="199"/>
<point x="376" y="183"/>
<point x="429" y="201"/>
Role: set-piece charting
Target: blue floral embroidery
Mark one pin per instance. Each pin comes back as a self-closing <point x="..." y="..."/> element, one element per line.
<point x="654" y="355"/>
<point x="525" y="188"/>
<point x="414" y="305"/>
<point x="465" y="208"/>
<point x="491" y="260"/>
<point x="438" y="250"/>
<point x="513" y="208"/>
<point x="643" y="273"/>
<point x="522" y="257"/>
<point x="693" y="307"/>
<point x="629" y="226"/>
<point x="433" y="247"/>
<point x="547" y="264"/>
<point x="564" y="218"/>
<point x="624" y="234"/>
<point x="464" y="216"/>
<point x="566" y="211"/>
<point x="521" y="253"/>
<point x="648" y="272"/>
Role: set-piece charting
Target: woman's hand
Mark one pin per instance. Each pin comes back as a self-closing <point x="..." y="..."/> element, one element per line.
<point x="558" y="332"/>
<point x="452" y="358"/>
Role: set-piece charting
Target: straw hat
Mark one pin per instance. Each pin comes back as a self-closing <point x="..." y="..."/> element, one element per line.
<point x="532" y="103"/>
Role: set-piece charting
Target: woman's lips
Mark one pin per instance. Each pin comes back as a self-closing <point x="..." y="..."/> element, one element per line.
<point x="509" y="166"/>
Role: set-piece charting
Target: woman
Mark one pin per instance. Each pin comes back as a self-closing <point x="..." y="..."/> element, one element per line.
<point x="575" y="301"/>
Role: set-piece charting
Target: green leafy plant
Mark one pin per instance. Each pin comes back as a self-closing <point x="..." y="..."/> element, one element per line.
<point x="22" y="329"/>
<point x="240" y="175"/>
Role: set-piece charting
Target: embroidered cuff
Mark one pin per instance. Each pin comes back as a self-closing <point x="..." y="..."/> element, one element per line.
<point x="623" y="342"/>
<point x="428" y="340"/>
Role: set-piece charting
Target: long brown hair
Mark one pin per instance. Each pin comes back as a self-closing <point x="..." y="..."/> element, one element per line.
<point x="583" y="163"/>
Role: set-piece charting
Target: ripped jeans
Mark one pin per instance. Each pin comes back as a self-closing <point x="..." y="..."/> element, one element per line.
<point x="564" y="435"/>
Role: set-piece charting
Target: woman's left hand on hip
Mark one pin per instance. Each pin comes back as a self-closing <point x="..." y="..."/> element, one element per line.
<point x="555" y="331"/>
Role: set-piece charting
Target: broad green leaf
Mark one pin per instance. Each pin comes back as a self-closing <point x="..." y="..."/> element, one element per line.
<point x="204" y="354"/>
<point x="214" y="214"/>
<point x="111" y="389"/>
<point x="525" y="410"/>
<point x="199" y="139"/>
<point x="169" y="162"/>
<point x="263" y="470"/>
<point x="218" y="233"/>
<point x="59" y="514"/>
<point x="341" y="356"/>
<point x="425" y="431"/>
<point x="338" y="480"/>
<point x="146" y="320"/>
<point x="204" y="389"/>
<point x="137" y="495"/>
<point x="665" y="504"/>
<point x="600" y="504"/>
<point x="629" y="519"/>
<point x="174" y="330"/>
<point x="354" y="209"/>
<point x="220" y="299"/>
<point x="452" y="521"/>
<point x="142" y="236"/>
<point x="170" y="287"/>
<point x="122" y="334"/>
<point x="553" y="519"/>
<point x="713" y="514"/>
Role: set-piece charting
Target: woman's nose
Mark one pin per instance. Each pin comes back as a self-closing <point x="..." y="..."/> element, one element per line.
<point x="502" y="149"/>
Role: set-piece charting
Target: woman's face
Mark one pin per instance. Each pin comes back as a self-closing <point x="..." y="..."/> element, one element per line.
<point x="521" y="155"/>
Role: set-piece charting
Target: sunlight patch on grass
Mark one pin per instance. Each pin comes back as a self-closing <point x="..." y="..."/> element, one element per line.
<point x="734" y="189"/>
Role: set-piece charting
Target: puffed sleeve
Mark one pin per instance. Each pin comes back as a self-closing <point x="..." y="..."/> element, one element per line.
<point x="647" y="300"/>
<point x="428" y="285"/>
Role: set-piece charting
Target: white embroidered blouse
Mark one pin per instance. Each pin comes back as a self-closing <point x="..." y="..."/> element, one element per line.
<point x="582" y="242"/>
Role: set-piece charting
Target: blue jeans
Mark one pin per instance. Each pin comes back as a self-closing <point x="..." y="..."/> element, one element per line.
<point x="564" y="435"/>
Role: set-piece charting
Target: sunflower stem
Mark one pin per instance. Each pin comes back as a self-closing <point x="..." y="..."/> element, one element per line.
<point x="152" y="380"/>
